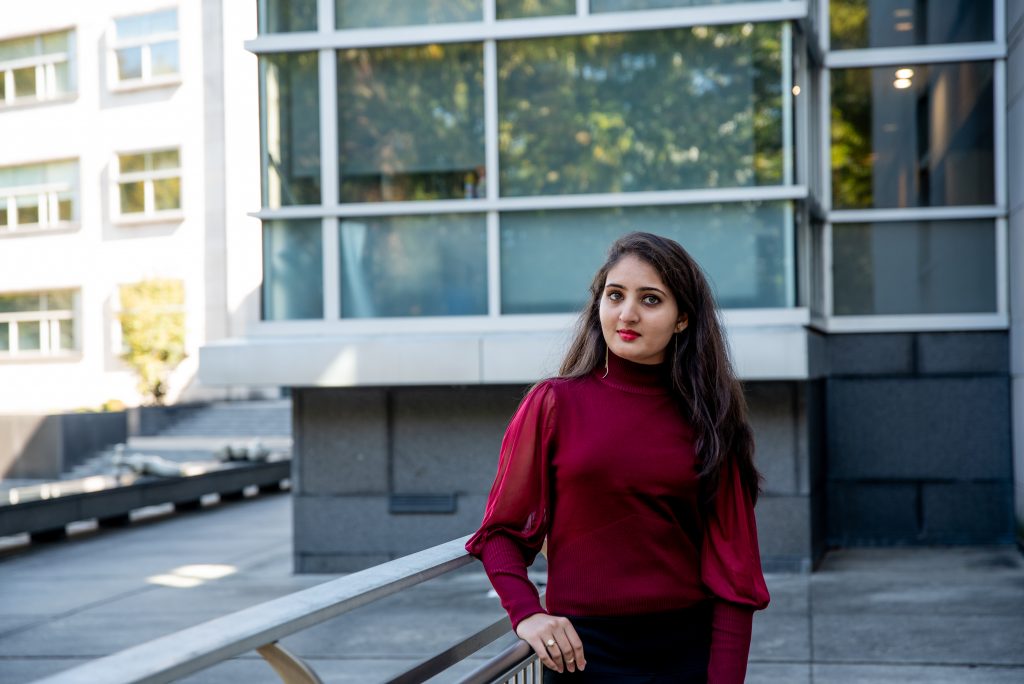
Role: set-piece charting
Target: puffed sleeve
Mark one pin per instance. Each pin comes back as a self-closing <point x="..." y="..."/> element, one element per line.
<point x="730" y="557"/>
<point x="731" y="570"/>
<point x="516" y="518"/>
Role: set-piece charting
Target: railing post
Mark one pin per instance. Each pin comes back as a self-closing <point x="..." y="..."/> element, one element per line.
<point x="289" y="667"/>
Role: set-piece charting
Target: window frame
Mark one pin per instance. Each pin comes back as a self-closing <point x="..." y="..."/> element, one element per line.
<point x="145" y="43"/>
<point x="995" y="51"/>
<point x="45" y="67"/>
<point x="48" y="202"/>
<point x="150" y="213"/>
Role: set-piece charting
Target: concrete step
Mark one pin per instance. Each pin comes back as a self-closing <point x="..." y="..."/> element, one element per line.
<point x="230" y="419"/>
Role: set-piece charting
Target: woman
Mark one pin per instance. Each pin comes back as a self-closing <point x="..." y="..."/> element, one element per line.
<point x="636" y="466"/>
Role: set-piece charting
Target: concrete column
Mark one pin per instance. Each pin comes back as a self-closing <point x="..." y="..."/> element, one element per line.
<point x="1015" y="163"/>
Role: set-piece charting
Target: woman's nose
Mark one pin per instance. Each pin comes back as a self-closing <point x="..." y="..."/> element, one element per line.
<point x="628" y="312"/>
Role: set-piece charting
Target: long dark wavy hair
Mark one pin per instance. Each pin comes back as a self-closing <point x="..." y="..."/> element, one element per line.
<point x="702" y="375"/>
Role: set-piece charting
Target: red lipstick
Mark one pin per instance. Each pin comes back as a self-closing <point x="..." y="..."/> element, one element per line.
<point x="628" y="335"/>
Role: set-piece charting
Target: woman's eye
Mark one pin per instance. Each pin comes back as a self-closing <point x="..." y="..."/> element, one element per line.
<point x="651" y="299"/>
<point x="615" y="296"/>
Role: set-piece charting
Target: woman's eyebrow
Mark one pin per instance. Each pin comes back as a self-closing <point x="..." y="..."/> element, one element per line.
<point x="639" y="289"/>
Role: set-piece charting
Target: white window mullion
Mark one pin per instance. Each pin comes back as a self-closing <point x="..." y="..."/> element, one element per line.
<point x="13" y="337"/>
<point x="44" y="336"/>
<point x="43" y="209"/>
<point x="147" y="63"/>
<point x="149" y="197"/>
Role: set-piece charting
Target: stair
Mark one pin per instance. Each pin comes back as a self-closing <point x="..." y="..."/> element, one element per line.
<point x="201" y="431"/>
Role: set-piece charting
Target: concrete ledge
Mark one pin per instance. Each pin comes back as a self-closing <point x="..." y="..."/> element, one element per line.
<point x="760" y="352"/>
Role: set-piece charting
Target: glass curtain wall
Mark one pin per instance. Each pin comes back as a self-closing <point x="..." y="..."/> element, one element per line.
<point x="487" y="177"/>
<point x="916" y="206"/>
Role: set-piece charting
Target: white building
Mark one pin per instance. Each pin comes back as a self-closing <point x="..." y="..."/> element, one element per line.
<point x="117" y="165"/>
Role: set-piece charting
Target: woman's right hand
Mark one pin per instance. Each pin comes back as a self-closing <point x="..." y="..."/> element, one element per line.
<point x="554" y="640"/>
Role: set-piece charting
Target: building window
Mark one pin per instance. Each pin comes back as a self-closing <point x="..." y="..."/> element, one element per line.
<point x="37" y="323"/>
<point x="411" y="123"/>
<point x="899" y="23"/>
<point x="548" y="257"/>
<point x="350" y="14"/>
<point x="434" y="265"/>
<point x="149" y="183"/>
<point x="38" y="196"/>
<point x="914" y="267"/>
<point x="286" y="16"/>
<point x="290" y="129"/>
<point x="37" y="68"/>
<point x="699" y="107"/>
<point x="145" y="49"/>
<point x="293" y="283"/>
<point x="520" y="9"/>
<point x="913" y="135"/>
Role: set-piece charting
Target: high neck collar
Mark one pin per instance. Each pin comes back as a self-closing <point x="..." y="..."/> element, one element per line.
<point x="642" y="378"/>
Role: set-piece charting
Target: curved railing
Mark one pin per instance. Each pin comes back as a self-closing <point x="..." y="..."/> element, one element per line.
<point x="260" y="627"/>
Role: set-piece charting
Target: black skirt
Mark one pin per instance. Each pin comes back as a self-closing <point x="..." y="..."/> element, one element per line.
<point x="650" y="648"/>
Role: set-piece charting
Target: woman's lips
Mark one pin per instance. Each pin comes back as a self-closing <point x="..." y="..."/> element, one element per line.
<point x="628" y="335"/>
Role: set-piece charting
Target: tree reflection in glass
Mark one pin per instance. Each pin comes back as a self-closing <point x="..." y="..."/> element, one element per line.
<point x="896" y="23"/>
<point x="913" y="136"/>
<point x="411" y="123"/>
<point x="290" y="129"/>
<point x="378" y="13"/>
<point x="685" y="108"/>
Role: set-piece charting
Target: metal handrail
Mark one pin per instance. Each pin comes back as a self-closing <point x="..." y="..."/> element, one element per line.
<point x="259" y="627"/>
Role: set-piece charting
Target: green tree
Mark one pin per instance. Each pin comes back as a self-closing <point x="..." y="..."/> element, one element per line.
<point x="153" y="331"/>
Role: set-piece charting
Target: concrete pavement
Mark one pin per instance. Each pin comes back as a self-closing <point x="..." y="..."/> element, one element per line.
<point x="868" y="615"/>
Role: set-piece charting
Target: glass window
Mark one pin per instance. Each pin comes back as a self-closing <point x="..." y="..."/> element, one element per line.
<point x="898" y="23"/>
<point x="913" y="136"/>
<point x="164" y="57"/>
<point x="28" y="209"/>
<point x="363" y="14"/>
<point x="414" y="266"/>
<point x="29" y="336"/>
<point x="66" y="334"/>
<point x="38" y="196"/>
<point x="129" y="63"/>
<point x="149" y="182"/>
<point x="519" y="9"/>
<point x="25" y="82"/>
<point x="411" y="123"/>
<point x="597" y="6"/>
<point x="37" y="322"/>
<point x="145" y="47"/>
<point x="699" y="107"/>
<point x="914" y="267"/>
<point x="549" y="257"/>
<point x="293" y="285"/>
<point x="290" y="129"/>
<point x="283" y="16"/>
<point x="36" y="68"/>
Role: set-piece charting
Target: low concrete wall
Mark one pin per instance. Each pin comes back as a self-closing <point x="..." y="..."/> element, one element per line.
<point x="919" y="441"/>
<point x="43" y="447"/>
<point x="358" y="450"/>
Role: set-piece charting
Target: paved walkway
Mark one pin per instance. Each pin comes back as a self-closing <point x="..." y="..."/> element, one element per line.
<point x="869" y="615"/>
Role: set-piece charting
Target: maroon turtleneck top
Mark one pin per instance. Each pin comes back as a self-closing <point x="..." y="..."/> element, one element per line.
<point x="605" y="468"/>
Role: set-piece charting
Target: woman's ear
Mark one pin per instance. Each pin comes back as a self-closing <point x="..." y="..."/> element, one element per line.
<point x="682" y="323"/>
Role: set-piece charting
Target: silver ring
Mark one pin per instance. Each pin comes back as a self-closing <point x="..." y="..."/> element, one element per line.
<point x="549" y="643"/>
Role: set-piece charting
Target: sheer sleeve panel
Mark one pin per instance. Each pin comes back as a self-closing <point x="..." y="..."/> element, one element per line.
<point x="517" y="515"/>
<point x="730" y="557"/>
